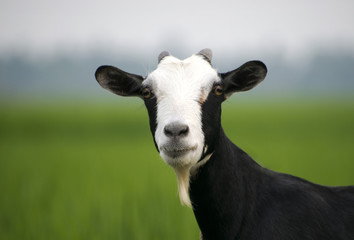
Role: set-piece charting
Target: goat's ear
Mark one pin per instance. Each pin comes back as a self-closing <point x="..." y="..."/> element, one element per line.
<point x="243" y="78"/>
<point x="118" y="81"/>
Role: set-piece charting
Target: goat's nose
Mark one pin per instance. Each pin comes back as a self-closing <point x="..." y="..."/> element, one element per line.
<point x="174" y="130"/>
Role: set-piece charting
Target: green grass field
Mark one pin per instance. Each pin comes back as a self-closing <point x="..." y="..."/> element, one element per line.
<point x="90" y="171"/>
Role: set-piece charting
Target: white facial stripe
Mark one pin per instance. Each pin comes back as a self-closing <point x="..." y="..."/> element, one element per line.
<point x="180" y="86"/>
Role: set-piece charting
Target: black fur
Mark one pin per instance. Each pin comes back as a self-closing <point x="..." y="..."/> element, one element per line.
<point x="118" y="81"/>
<point x="235" y="198"/>
<point x="152" y="111"/>
<point x="244" y="78"/>
<point x="211" y="113"/>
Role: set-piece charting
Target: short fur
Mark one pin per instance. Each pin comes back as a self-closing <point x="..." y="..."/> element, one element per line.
<point x="180" y="88"/>
<point x="232" y="196"/>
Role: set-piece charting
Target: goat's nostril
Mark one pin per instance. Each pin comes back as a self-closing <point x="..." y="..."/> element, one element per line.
<point x="168" y="131"/>
<point x="184" y="130"/>
<point x="176" y="130"/>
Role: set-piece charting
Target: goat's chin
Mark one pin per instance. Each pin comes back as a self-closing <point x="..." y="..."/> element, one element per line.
<point x="181" y="159"/>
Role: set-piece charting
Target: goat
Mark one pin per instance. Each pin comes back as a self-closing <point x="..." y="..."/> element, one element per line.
<point x="231" y="195"/>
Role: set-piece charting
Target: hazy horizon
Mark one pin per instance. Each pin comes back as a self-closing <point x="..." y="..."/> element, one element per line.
<point x="54" y="47"/>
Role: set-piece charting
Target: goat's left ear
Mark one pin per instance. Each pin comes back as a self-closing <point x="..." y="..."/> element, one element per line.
<point x="243" y="78"/>
<point x="118" y="81"/>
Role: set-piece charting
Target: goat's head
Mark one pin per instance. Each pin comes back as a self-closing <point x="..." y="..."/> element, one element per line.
<point x="183" y="99"/>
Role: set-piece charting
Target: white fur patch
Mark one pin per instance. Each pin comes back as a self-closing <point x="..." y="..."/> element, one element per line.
<point x="183" y="177"/>
<point x="180" y="86"/>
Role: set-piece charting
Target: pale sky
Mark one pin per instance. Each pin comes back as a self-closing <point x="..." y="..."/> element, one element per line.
<point x="294" y="27"/>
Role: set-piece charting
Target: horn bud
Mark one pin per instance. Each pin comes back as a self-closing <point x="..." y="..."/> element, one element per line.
<point x="162" y="56"/>
<point x="207" y="54"/>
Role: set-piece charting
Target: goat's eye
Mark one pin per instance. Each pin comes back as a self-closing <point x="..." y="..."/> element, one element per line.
<point x="146" y="92"/>
<point x="218" y="90"/>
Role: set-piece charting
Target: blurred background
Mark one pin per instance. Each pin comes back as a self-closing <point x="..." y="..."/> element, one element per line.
<point x="77" y="162"/>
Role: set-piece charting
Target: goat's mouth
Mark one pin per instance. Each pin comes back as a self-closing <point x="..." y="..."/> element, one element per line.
<point x="176" y="151"/>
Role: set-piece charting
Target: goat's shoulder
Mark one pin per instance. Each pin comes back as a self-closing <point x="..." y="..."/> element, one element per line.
<point x="287" y="202"/>
<point x="287" y="188"/>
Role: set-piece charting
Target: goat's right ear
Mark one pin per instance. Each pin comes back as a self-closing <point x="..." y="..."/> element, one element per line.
<point x="118" y="81"/>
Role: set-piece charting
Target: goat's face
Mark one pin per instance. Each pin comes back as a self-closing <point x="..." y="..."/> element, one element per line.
<point x="174" y="95"/>
<point x="183" y="98"/>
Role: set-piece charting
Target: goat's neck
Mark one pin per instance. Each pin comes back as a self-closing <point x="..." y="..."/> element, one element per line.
<point x="221" y="191"/>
